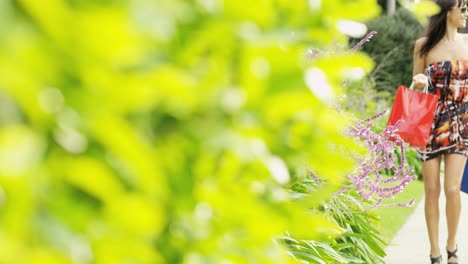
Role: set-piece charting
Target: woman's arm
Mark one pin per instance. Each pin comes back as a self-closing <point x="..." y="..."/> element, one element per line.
<point x="419" y="64"/>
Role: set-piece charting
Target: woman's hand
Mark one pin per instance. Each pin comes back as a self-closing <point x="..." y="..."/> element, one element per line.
<point x="420" y="81"/>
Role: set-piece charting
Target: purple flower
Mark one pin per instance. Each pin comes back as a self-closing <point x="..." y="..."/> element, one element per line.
<point x="364" y="40"/>
<point x="366" y="179"/>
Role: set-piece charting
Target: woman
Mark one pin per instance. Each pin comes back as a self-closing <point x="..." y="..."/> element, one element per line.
<point x="441" y="62"/>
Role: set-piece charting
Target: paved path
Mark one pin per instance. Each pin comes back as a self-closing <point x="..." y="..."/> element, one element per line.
<point x="411" y="243"/>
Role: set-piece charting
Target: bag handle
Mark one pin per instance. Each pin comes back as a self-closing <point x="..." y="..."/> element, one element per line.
<point x="425" y="90"/>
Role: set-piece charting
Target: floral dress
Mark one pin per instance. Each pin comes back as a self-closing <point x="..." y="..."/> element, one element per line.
<point x="449" y="133"/>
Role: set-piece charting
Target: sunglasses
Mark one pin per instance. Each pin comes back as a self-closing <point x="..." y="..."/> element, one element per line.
<point x="463" y="9"/>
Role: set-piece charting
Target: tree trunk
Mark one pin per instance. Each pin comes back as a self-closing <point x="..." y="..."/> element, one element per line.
<point x="391" y="6"/>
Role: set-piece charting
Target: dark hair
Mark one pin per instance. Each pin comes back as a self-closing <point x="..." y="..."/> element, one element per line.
<point x="438" y="24"/>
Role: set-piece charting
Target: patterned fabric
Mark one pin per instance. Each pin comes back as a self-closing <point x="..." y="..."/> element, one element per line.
<point x="449" y="134"/>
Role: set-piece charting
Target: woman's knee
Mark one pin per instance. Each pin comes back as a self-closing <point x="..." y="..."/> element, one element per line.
<point x="452" y="190"/>
<point x="432" y="192"/>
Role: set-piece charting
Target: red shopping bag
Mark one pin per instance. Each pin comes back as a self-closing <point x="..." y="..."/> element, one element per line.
<point x="416" y="111"/>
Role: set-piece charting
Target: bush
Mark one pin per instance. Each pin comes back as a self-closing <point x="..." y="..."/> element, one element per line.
<point x="164" y="131"/>
<point x="392" y="49"/>
<point x="361" y="242"/>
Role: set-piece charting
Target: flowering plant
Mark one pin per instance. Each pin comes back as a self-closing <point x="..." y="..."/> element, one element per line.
<point x="384" y="149"/>
<point x="367" y="179"/>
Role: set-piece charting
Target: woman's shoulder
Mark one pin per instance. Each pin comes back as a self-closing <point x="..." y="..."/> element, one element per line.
<point x="420" y="41"/>
<point x="418" y="44"/>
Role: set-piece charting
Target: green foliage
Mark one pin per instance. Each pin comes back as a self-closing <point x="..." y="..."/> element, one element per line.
<point x="392" y="50"/>
<point x="413" y="161"/>
<point x="361" y="241"/>
<point x="164" y="131"/>
<point x="363" y="100"/>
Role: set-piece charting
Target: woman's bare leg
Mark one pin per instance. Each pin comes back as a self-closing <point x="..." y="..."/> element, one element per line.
<point x="431" y="176"/>
<point x="454" y="167"/>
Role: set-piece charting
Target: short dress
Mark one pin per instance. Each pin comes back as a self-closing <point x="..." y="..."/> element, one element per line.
<point x="449" y="132"/>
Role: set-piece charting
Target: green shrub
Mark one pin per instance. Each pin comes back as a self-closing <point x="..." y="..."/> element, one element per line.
<point x="361" y="241"/>
<point x="164" y="131"/>
<point x="366" y="189"/>
<point x="392" y="49"/>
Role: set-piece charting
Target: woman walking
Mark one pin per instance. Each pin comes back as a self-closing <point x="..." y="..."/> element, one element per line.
<point x="441" y="62"/>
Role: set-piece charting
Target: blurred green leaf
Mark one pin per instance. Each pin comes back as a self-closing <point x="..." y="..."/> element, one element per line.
<point x="167" y="131"/>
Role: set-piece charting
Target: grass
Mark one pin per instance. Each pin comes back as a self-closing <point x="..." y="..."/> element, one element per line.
<point x="393" y="218"/>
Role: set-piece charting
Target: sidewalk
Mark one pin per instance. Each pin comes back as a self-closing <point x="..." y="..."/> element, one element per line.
<point x="411" y="243"/>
